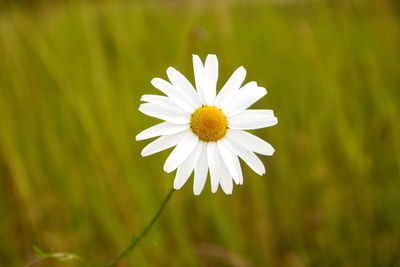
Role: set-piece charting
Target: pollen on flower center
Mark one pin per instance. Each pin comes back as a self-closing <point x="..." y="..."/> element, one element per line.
<point x="209" y="123"/>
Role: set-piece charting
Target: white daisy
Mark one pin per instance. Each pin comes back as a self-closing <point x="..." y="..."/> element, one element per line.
<point x="207" y="129"/>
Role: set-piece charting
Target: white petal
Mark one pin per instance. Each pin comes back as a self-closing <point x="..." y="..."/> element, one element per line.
<point x="200" y="172"/>
<point x="253" y="119"/>
<point x="161" y="100"/>
<point x="231" y="87"/>
<point x="243" y="99"/>
<point x="199" y="77"/>
<point x="163" y="142"/>
<point x="181" y="152"/>
<point x="251" y="142"/>
<point x="249" y="157"/>
<point x="214" y="164"/>
<point x="165" y="112"/>
<point x="226" y="179"/>
<point x="164" y="128"/>
<point x="181" y="83"/>
<point x="155" y="99"/>
<point x="186" y="168"/>
<point x="175" y="95"/>
<point x="227" y="155"/>
<point x="238" y="168"/>
<point x="210" y="79"/>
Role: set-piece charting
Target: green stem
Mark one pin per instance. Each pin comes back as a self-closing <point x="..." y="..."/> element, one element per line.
<point x="135" y="240"/>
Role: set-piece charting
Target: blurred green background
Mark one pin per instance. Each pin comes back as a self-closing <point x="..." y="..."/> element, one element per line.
<point x="72" y="178"/>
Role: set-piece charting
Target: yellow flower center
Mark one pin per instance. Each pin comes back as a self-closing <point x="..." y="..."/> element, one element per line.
<point x="209" y="123"/>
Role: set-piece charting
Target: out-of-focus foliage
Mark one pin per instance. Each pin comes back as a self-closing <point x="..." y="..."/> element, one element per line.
<point x="60" y="256"/>
<point x="71" y="175"/>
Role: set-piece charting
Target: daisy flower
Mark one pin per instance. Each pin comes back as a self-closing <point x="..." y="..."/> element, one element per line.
<point x="206" y="128"/>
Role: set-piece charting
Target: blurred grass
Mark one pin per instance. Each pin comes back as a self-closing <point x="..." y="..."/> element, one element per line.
<point x="72" y="178"/>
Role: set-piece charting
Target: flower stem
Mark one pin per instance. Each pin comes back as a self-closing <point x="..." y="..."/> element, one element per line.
<point x="135" y="240"/>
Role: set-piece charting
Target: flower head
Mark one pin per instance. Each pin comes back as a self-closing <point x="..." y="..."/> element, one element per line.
<point x="206" y="128"/>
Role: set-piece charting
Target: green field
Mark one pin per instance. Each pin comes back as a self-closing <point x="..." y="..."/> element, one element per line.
<point x="71" y="175"/>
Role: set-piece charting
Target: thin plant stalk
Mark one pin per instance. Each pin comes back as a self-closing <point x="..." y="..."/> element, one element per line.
<point x="136" y="239"/>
